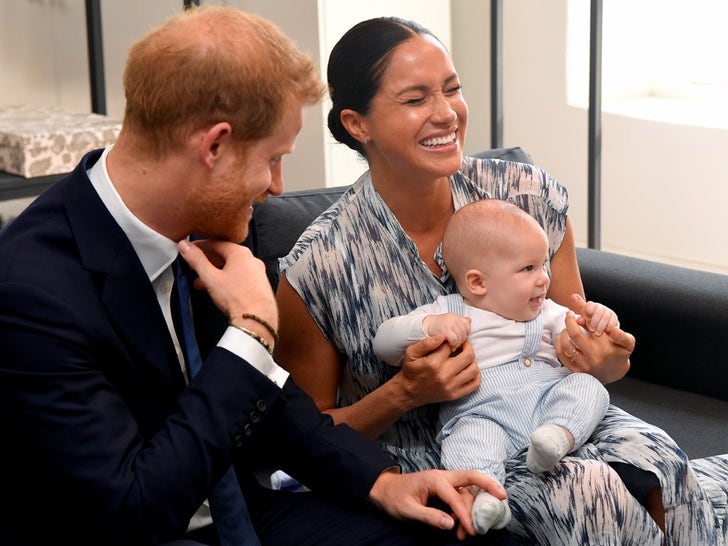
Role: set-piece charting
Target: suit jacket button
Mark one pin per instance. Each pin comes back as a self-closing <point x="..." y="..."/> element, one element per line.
<point x="254" y="416"/>
<point x="248" y="429"/>
<point x="238" y="441"/>
<point x="261" y="405"/>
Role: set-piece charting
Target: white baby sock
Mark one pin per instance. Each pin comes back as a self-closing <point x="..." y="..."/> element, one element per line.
<point x="489" y="512"/>
<point x="549" y="443"/>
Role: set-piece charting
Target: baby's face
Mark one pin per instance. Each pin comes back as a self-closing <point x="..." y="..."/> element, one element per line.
<point x="516" y="276"/>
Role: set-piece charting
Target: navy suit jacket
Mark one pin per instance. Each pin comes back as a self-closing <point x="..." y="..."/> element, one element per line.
<point x="104" y="442"/>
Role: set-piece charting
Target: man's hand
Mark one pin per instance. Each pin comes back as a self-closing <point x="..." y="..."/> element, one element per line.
<point x="405" y="496"/>
<point x="234" y="278"/>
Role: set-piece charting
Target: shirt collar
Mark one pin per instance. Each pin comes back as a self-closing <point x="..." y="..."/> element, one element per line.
<point x="155" y="251"/>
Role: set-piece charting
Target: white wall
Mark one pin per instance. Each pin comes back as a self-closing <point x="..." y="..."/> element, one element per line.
<point x="663" y="186"/>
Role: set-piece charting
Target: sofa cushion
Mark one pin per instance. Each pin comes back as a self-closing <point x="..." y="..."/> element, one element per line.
<point x="278" y="222"/>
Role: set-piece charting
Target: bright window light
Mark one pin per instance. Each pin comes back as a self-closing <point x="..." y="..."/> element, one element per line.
<point x="661" y="59"/>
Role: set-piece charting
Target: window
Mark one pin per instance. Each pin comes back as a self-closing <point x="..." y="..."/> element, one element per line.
<point x="661" y="59"/>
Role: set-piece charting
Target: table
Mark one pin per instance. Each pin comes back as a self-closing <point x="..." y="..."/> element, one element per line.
<point x="13" y="186"/>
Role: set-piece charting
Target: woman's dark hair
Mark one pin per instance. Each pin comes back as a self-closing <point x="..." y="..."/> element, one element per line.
<point x="356" y="65"/>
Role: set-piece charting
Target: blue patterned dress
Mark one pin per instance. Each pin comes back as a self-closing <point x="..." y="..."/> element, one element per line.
<point x="355" y="267"/>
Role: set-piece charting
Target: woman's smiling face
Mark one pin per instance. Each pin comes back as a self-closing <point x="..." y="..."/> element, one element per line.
<point x="418" y="118"/>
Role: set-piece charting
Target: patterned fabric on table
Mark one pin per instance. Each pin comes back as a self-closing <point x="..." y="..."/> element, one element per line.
<point x="44" y="140"/>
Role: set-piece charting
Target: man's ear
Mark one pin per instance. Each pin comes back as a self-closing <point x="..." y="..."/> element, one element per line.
<point x="215" y="140"/>
<point x="475" y="282"/>
<point x="355" y="124"/>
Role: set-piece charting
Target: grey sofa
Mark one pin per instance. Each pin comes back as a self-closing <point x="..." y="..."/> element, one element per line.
<point x="679" y="375"/>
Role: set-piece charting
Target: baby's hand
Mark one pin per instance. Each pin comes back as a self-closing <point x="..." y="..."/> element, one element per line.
<point x="455" y="328"/>
<point x="597" y="318"/>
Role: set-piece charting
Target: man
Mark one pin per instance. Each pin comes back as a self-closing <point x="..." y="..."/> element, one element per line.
<point x="110" y="436"/>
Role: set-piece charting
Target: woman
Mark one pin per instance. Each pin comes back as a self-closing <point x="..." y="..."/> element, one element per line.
<point x="397" y="101"/>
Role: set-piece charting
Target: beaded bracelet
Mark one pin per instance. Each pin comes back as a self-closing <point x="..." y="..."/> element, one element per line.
<point x="264" y="323"/>
<point x="256" y="337"/>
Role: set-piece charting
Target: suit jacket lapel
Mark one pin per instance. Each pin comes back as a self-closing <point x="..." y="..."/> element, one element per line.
<point x="124" y="286"/>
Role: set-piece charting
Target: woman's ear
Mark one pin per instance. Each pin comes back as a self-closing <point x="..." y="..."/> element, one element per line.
<point x="355" y="124"/>
<point x="213" y="143"/>
<point x="475" y="282"/>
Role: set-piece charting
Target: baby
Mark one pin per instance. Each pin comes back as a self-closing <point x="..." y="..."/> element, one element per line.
<point x="498" y="257"/>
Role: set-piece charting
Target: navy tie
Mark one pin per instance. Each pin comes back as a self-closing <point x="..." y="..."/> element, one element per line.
<point x="227" y="505"/>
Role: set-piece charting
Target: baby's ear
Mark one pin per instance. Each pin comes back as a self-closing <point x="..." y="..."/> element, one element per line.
<point x="475" y="282"/>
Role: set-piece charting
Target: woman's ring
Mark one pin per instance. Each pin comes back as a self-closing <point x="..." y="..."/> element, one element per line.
<point x="571" y="355"/>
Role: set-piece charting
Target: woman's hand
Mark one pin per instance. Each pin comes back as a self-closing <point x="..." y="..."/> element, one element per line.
<point x="431" y="372"/>
<point x="606" y="357"/>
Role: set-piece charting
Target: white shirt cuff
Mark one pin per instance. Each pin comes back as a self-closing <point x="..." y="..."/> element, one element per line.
<point x="244" y="346"/>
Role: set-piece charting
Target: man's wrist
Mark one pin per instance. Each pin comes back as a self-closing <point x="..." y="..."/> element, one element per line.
<point x="256" y="327"/>
<point x="264" y="323"/>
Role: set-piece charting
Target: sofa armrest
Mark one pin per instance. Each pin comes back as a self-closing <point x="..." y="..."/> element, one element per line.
<point x="678" y="316"/>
